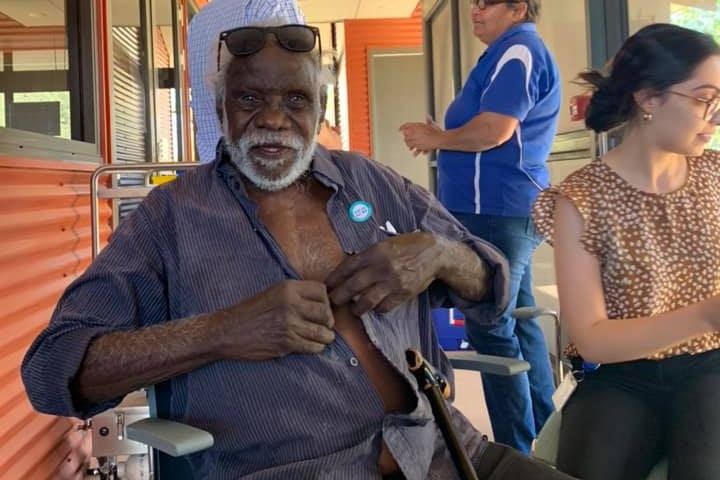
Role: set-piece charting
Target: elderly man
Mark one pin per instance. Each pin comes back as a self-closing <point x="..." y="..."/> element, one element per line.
<point x="277" y="289"/>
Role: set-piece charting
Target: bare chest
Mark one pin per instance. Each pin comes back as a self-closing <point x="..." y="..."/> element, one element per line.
<point x="303" y="231"/>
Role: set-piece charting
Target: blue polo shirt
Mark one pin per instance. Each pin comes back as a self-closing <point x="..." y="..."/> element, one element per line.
<point x="516" y="76"/>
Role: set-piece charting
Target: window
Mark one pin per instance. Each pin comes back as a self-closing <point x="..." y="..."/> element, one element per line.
<point x="46" y="75"/>
<point x="559" y="21"/>
<point x="701" y="15"/>
<point x="166" y="95"/>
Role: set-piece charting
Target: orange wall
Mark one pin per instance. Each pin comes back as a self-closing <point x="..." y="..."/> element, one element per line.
<point x="44" y="245"/>
<point x="360" y="36"/>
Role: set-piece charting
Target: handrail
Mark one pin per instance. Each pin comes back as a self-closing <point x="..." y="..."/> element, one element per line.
<point x="96" y="193"/>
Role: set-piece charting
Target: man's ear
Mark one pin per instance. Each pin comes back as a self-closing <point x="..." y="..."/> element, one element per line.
<point x="520" y="11"/>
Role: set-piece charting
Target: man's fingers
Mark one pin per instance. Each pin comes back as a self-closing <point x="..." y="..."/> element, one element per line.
<point x="346" y="269"/>
<point x="313" y="332"/>
<point x="308" y="346"/>
<point x="388" y="303"/>
<point x="369" y="299"/>
<point x="352" y="286"/>
<point x="316" y="312"/>
<point x="310" y="290"/>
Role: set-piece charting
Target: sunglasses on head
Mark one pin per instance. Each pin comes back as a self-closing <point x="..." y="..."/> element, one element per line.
<point x="481" y="4"/>
<point x="244" y="41"/>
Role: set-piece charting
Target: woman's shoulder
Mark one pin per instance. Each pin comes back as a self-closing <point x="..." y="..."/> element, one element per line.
<point x="581" y="184"/>
<point x="584" y="190"/>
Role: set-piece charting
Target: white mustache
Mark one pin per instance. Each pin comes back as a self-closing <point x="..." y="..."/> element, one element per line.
<point x="255" y="139"/>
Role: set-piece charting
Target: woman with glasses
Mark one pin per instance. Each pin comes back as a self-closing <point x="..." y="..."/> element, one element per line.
<point x="637" y="258"/>
<point x="491" y="167"/>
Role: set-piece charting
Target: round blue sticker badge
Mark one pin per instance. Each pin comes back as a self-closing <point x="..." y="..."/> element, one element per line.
<point x="360" y="211"/>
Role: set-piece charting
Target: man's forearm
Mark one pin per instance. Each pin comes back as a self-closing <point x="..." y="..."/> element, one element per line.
<point x="465" y="272"/>
<point x="121" y="362"/>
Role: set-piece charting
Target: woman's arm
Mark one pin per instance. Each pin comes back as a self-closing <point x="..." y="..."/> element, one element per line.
<point x="485" y="131"/>
<point x="583" y="308"/>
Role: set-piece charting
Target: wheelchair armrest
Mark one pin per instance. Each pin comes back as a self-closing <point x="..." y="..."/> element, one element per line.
<point x="526" y="313"/>
<point x="487" y="363"/>
<point x="174" y="438"/>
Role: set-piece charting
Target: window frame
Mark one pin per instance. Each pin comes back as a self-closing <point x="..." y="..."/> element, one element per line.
<point x="83" y="85"/>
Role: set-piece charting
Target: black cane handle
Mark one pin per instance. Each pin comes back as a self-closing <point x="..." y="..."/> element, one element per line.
<point x="430" y="383"/>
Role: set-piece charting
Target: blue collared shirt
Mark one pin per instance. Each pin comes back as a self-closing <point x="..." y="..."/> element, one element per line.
<point x="196" y="245"/>
<point x="516" y="77"/>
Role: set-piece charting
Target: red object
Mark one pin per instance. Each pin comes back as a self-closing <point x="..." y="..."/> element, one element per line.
<point x="457" y="322"/>
<point x="578" y="107"/>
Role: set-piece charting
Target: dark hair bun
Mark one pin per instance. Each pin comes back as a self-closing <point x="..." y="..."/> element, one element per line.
<point x="607" y="109"/>
<point x="656" y="57"/>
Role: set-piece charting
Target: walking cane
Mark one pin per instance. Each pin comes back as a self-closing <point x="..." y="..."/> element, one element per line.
<point x="437" y="389"/>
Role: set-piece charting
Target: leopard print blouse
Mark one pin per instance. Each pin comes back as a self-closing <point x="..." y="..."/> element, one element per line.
<point x="657" y="252"/>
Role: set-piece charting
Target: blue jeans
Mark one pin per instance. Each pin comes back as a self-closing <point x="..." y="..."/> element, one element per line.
<point x="520" y="404"/>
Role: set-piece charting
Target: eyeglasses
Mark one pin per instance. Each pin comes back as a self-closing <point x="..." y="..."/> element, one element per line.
<point x="245" y="41"/>
<point x="482" y="4"/>
<point x="712" y="105"/>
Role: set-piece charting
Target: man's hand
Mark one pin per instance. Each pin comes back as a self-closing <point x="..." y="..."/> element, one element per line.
<point x="387" y="274"/>
<point x="290" y="317"/>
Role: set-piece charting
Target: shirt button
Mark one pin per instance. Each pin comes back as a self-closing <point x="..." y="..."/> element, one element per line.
<point x="354" y="362"/>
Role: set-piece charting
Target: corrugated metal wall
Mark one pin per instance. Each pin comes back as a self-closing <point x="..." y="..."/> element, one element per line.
<point x="360" y="35"/>
<point x="44" y="245"/>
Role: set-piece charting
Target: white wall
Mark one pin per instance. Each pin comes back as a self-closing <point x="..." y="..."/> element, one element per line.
<point x="562" y="26"/>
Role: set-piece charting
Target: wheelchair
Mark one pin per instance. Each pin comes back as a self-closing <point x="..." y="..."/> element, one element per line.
<point x="134" y="440"/>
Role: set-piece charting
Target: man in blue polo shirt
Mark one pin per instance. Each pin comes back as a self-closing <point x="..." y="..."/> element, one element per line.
<point x="491" y="166"/>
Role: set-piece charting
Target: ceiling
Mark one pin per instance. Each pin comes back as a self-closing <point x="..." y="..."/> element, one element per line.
<point x="320" y="11"/>
<point x="35" y="13"/>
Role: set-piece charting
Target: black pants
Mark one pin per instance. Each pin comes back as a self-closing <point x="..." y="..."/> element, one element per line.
<point x="624" y="417"/>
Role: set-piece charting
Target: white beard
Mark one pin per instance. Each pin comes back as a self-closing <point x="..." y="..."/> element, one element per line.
<point x="239" y="152"/>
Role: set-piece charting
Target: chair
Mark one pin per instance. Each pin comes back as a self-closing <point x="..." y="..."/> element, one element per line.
<point x="545" y="447"/>
<point x="170" y="441"/>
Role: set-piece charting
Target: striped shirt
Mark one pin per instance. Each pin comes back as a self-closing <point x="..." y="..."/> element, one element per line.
<point x="196" y="245"/>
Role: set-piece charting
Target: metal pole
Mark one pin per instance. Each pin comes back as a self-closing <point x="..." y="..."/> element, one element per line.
<point x="112" y="169"/>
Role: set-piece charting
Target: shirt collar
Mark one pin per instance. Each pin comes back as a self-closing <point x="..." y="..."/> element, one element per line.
<point x="324" y="165"/>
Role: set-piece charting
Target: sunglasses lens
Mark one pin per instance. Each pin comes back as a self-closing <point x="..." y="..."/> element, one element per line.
<point x="296" y="38"/>
<point x="245" y="41"/>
